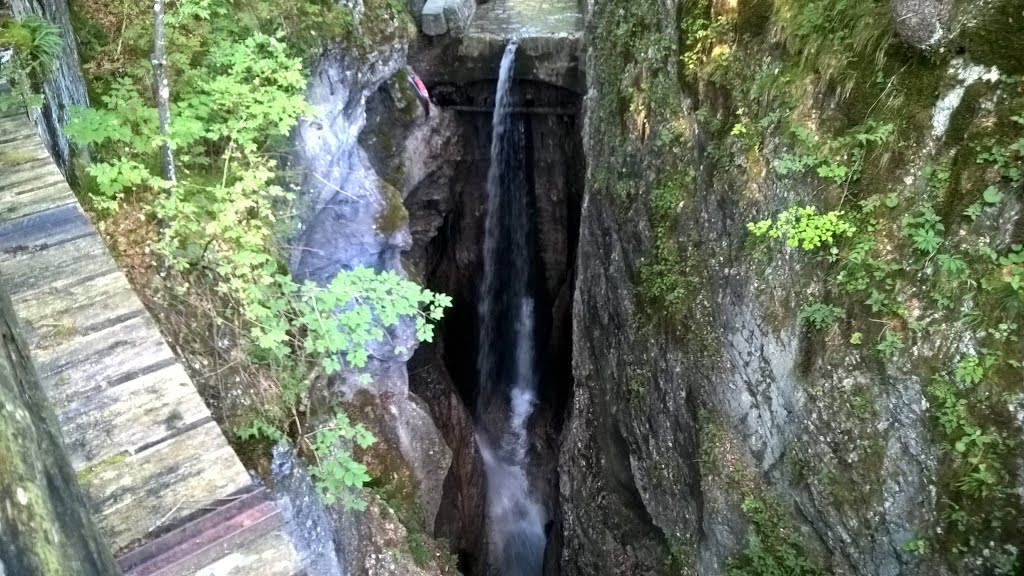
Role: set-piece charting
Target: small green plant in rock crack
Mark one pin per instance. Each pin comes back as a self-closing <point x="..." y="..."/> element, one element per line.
<point x="338" y="476"/>
<point x="918" y="546"/>
<point x="1013" y="268"/>
<point x="803" y="227"/>
<point x="976" y="450"/>
<point x="889" y="343"/>
<point x="839" y="160"/>
<point x="773" y="547"/>
<point x="971" y="369"/>
<point x="709" y="38"/>
<point x="923" y="227"/>
<point x="821" y="315"/>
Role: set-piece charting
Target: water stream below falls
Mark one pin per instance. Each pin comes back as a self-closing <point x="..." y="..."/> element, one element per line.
<point x="506" y="360"/>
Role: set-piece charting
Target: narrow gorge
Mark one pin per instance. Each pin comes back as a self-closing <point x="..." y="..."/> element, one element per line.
<point x="529" y="288"/>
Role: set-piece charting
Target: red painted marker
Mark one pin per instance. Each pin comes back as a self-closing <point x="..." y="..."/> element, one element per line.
<point x="421" y="92"/>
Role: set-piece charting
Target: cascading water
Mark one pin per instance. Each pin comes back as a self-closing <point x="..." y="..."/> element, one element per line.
<point x="506" y="361"/>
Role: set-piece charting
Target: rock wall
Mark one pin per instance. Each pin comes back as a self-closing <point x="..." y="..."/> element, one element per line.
<point x="64" y="88"/>
<point x="45" y="521"/>
<point x="354" y="217"/>
<point x="719" y="424"/>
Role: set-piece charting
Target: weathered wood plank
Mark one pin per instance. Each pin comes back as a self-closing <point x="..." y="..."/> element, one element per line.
<point x="16" y="132"/>
<point x="86" y="364"/>
<point x="45" y="528"/>
<point x="52" y="181"/>
<point x="134" y="495"/>
<point x="30" y="199"/>
<point x="19" y="151"/>
<point x="17" y="139"/>
<point x="132" y="416"/>
<point x="52" y="315"/>
<point x="35" y="168"/>
<point x="269" y="555"/>
<point x="146" y="448"/>
<point x="45" y="229"/>
<point x="58" y="267"/>
<point x="15" y="122"/>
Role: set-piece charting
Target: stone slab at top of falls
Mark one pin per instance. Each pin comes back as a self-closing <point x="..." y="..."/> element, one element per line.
<point x="549" y="33"/>
<point x="520" y="18"/>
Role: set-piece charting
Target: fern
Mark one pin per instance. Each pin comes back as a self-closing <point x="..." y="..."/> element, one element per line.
<point x="47" y="43"/>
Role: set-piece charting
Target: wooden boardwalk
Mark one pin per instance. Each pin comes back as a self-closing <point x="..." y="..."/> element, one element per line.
<point x="147" y="453"/>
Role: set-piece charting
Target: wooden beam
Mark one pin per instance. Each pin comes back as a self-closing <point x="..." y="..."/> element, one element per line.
<point x="515" y="110"/>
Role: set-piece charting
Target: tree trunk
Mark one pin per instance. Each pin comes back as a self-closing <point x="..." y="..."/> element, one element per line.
<point x="162" y="93"/>
<point x="162" y="90"/>
<point x="45" y="526"/>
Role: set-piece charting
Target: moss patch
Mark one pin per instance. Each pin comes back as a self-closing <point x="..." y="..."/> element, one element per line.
<point x="994" y="40"/>
<point x="395" y="483"/>
<point x="15" y="157"/>
<point x="87" y="474"/>
<point x="392" y="216"/>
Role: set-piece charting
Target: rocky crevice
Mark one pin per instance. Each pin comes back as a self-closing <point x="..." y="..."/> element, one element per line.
<point x="440" y="167"/>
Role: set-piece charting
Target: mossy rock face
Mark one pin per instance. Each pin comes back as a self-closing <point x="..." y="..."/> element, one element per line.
<point x="392" y="216"/>
<point x="14" y="35"/>
<point x="995" y="40"/>
<point x="394" y="482"/>
<point x="44" y="519"/>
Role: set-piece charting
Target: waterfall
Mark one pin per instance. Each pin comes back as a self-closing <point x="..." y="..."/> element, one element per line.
<point x="506" y="360"/>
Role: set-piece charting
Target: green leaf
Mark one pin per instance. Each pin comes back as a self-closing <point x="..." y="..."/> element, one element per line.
<point x="992" y="195"/>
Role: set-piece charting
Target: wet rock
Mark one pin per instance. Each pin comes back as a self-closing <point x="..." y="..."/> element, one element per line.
<point x="461" y="518"/>
<point x="679" y="416"/>
<point x="334" y="541"/>
<point x="308" y="520"/>
<point x="433" y="19"/>
<point x="458" y="14"/>
<point x="922" y="23"/>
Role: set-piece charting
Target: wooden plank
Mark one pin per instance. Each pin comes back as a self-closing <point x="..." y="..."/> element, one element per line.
<point x="269" y="555"/>
<point x="27" y="171"/>
<point x="239" y="526"/>
<point x="146" y="448"/>
<point x="41" y="196"/>
<point x="15" y="131"/>
<point x="85" y="365"/>
<point x="17" y="122"/>
<point x="31" y="177"/>
<point x="19" y="151"/>
<point x="58" y="267"/>
<point x="134" y="495"/>
<point x="44" y="229"/>
<point x="73" y="311"/>
<point x="55" y="180"/>
<point x="131" y="417"/>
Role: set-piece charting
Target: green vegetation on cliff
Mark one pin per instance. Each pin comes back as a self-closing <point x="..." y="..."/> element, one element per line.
<point x="239" y="75"/>
<point x="35" y="45"/>
<point x="814" y="120"/>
